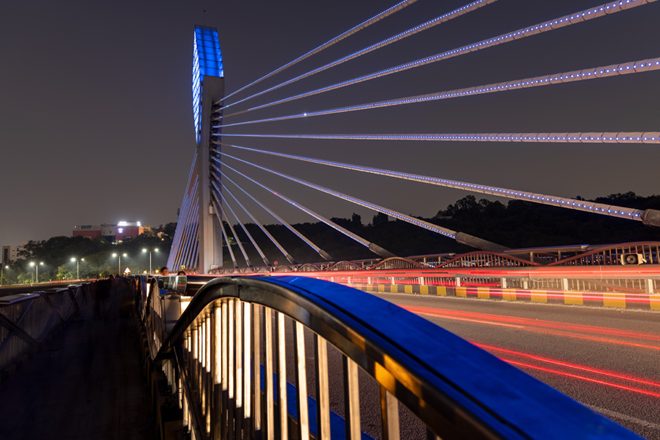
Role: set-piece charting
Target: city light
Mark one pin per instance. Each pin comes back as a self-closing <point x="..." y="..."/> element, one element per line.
<point x="36" y="269"/>
<point x="119" y="256"/>
<point x="77" y="261"/>
<point x="150" y="251"/>
<point x="3" y="269"/>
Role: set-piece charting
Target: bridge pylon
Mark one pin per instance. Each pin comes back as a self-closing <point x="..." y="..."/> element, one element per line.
<point x="209" y="233"/>
<point x="197" y="242"/>
<point x="208" y="89"/>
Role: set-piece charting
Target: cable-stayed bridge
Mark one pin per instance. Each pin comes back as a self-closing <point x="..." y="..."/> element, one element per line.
<point x="223" y="172"/>
<point x="239" y="346"/>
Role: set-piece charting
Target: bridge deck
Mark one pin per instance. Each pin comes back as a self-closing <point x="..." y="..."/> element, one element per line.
<point x="85" y="383"/>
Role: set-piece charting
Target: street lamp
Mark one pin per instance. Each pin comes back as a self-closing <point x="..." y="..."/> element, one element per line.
<point x="118" y="257"/>
<point x="3" y="269"/>
<point x="77" y="261"/>
<point x="145" y="250"/>
<point x="36" y="269"/>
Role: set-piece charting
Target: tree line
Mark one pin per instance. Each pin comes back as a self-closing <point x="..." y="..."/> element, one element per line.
<point x="514" y="224"/>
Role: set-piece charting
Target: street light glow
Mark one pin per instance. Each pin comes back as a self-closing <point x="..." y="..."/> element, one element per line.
<point x="150" y="251"/>
<point x="77" y="261"/>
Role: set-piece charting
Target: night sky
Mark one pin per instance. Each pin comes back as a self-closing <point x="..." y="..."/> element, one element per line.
<point x="96" y="119"/>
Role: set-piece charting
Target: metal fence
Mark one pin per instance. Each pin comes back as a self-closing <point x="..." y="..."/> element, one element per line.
<point x="295" y="357"/>
<point x="26" y="320"/>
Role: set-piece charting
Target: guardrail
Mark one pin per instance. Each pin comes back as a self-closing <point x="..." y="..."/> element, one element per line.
<point x="642" y="279"/>
<point x="27" y="319"/>
<point x="282" y="357"/>
<point x="601" y="286"/>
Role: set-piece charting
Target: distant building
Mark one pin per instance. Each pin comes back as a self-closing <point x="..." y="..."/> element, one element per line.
<point x="111" y="232"/>
<point x="9" y="254"/>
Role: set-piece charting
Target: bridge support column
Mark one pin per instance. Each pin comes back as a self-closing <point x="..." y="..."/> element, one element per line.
<point x="210" y="235"/>
<point x="503" y="283"/>
<point x="650" y="288"/>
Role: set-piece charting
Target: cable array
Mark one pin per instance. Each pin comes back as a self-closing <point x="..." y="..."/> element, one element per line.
<point x="241" y="224"/>
<point x="185" y="237"/>
<point x="186" y="241"/>
<point x="649" y="137"/>
<point x="216" y="210"/>
<point x="277" y="244"/>
<point x="362" y="241"/>
<point x="379" y="45"/>
<point x="563" y="202"/>
<point x="331" y="42"/>
<point x="629" y="68"/>
<point x="323" y="254"/>
<point x="223" y="215"/>
<point x="446" y="232"/>
<point x="550" y="25"/>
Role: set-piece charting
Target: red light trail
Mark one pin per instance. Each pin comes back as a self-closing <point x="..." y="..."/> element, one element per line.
<point x="559" y="367"/>
<point x="555" y="328"/>
<point x="583" y="378"/>
<point x="607" y="373"/>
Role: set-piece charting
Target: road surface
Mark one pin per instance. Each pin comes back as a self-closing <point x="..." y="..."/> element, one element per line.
<point x="606" y="359"/>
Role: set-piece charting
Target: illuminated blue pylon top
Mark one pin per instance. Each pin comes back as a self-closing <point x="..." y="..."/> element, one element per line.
<point x="207" y="61"/>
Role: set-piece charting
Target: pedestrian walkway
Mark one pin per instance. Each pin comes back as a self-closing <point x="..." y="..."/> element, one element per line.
<point x="85" y="383"/>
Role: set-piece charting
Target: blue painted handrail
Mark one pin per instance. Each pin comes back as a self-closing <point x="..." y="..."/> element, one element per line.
<point x="451" y="379"/>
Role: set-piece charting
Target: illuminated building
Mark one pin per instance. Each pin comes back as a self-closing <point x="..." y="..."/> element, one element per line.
<point x="121" y="231"/>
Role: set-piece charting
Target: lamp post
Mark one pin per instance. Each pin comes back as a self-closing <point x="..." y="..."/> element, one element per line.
<point x="145" y="250"/>
<point x="36" y="269"/>
<point x="118" y="257"/>
<point x="77" y="261"/>
<point x="3" y="269"/>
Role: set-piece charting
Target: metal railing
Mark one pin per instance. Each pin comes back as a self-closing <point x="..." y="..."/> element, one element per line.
<point x="633" y="280"/>
<point x="296" y="357"/>
<point x="27" y="319"/>
<point x="644" y="254"/>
